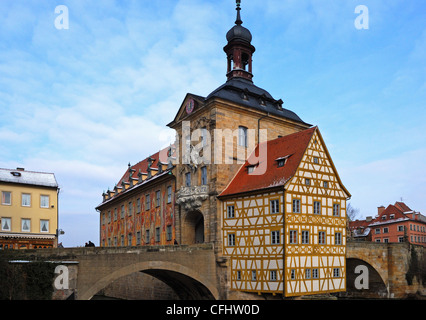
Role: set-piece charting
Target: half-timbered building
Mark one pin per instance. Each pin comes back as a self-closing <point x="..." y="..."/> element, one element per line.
<point x="284" y="219"/>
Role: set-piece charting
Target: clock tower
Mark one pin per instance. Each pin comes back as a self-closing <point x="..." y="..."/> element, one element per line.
<point x="213" y="135"/>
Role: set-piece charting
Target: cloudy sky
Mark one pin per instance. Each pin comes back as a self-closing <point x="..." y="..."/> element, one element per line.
<point x="85" y="101"/>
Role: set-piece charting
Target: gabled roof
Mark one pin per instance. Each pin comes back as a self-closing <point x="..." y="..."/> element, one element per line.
<point x="402" y="206"/>
<point x="389" y="215"/>
<point x="292" y="146"/>
<point x="22" y="176"/>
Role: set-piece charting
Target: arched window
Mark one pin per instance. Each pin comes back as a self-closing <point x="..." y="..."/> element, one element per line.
<point x="242" y="136"/>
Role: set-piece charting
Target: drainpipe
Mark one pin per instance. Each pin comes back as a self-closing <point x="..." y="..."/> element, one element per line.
<point x="258" y="127"/>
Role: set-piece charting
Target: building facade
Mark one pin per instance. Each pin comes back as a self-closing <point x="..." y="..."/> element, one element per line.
<point x="398" y="223"/>
<point x="28" y="209"/>
<point x="263" y="243"/>
<point x="285" y="229"/>
<point x="140" y="208"/>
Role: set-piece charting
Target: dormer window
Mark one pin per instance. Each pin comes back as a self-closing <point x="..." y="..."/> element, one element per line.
<point x="384" y="217"/>
<point x="250" y="169"/>
<point x="392" y="216"/>
<point x="281" y="161"/>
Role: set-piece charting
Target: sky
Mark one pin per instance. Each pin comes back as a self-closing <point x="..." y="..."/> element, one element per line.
<point x="87" y="90"/>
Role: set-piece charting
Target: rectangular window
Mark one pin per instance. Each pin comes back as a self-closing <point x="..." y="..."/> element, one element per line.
<point x="293" y="274"/>
<point x="275" y="237"/>
<point x="238" y="275"/>
<point x="26" y="200"/>
<point x="337" y="238"/>
<point x="5" y="224"/>
<point x="273" y="275"/>
<point x="44" y="201"/>
<point x="130" y="208"/>
<point x="138" y="238"/>
<point x="275" y="206"/>
<point x="317" y="207"/>
<point x="321" y="237"/>
<point x="305" y="237"/>
<point x="204" y="175"/>
<point x="169" y="233"/>
<point x="400" y="239"/>
<point x="157" y="234"/>
<point x="253" y="275"/>
<point x="296" y="205"/>
<point x="26" y="225"/>
<point x="293" y="237"/>
<point x="231" y="239"/>
<point x="315" y="273"/>
<point x="230" y="212"/>
<point x="307" y="273"/>
<point x="147" y="239"/>
<point x="147" y="202"/>
<point x="44" y="225"/>
<point x="138" y="205"/>
<point x="122" y="241"/>
<point x="121" y="213"/>
<point x="158" y="198"/>
<point x="336" y="272"/>
<point x="129" y="239"/>
<point x="386" y="230"/>
<point x="336" y="210"/>
<point x="316" y="160"/>
<point x="400" y="228"/>
<point x="188" y="179"/>
<point x="308" y="182"/>
<point x="6" y="198"/>
<point x="325" y="184"/>
<point x="377" y="231"/>
<point x="242" y="136"/>
<point x="169" y="194"/>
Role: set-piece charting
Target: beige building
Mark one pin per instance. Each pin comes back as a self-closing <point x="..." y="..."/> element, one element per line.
<point x="28" y="209"/>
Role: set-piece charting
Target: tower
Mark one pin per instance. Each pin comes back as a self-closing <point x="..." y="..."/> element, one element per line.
<point x="239" y="50"/>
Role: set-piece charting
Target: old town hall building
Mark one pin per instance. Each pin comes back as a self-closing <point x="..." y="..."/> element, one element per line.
<point x="246" y="174"/>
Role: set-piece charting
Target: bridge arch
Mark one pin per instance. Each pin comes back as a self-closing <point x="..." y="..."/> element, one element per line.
<point x="377" y="287"/>
<point x="191" y="284"/>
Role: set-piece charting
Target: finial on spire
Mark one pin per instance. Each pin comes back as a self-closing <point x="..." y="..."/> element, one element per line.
<point x="238" y="21"/>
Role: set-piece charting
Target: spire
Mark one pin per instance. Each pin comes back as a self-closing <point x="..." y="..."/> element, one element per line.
<point x="238" y="21"/>
<point x="239" y="50"/>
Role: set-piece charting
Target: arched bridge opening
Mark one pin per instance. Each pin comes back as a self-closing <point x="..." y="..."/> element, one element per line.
<point x="363" y="280"/>
<point x="187" y="283"/>
<point x="186" y="288"/>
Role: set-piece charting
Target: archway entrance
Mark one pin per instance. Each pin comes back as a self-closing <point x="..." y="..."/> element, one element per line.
<point x="193" y="228"/>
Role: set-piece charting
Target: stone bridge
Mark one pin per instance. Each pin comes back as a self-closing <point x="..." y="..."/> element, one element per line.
<point x="195" y="272"/>
<point x="395" y="270"/>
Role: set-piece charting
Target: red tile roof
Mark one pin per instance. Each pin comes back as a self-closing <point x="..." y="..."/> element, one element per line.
<point x="292" y="146"/>
<point x="142" y="166"/>
<point x="402" y="206"/>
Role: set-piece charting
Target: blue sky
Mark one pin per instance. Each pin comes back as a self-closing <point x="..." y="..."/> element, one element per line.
<point x="86" y="101"/>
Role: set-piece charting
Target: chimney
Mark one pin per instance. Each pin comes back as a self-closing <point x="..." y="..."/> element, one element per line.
<point x="380" y="210"/>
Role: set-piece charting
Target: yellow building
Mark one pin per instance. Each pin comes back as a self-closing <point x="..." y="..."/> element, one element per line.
<point x="284" y="219"/>
<point x="28" y="209"/>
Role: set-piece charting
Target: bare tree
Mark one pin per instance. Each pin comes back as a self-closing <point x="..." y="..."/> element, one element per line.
<point x="352" y="212"/>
